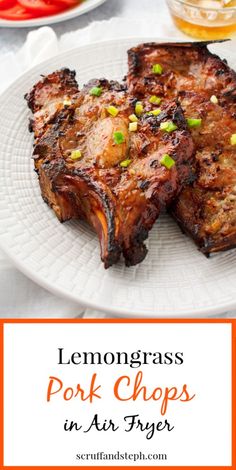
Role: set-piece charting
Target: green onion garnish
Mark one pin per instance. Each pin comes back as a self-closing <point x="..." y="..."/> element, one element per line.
<point x="133" y="126"/>
<point x="214" y="99"/>
<point x="233" y="139"/>
<point x="125" y="163"/>
<point x="118" y="137"/>
<point x="133" y="118"/>
<point x="96" y="91"/>
<point x="194" y="122"/>
<point x="112" y="110"/>
<point x="154" y="112"/>
<point x="157" y="68"/>
<point x="139" y="108"/>
<point x="168" y="126"/>
<point x="167" y="161"/>
<point x="67" y="102"/>
<point x="75" y="155"/>
<point x="155" y="100"/>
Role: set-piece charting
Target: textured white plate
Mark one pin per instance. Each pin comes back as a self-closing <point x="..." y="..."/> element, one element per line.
<point x="175" y="279"/>
<point x="85" y="7"/>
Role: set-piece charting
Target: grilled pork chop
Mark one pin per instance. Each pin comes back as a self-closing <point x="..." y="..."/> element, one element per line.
<point x="206" y="89"/>
<point x="95" y="162"/>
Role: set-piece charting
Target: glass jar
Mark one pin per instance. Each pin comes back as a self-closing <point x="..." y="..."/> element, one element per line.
<point x="204" y="19"/>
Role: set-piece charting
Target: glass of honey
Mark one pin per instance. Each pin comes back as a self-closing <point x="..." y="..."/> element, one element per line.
<point x="205" y="19"/>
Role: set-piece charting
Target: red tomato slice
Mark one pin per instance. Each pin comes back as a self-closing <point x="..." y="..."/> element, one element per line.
<point x="7" y="3"/>
<point x="41" y="7"/>
<point x="15" y="13"/>
<point x="68" y="3"/>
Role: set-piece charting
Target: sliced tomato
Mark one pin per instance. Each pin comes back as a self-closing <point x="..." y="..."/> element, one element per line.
<point x="7" y="3"/>
<point x="15" y="13"/>
<point x="41" y="7"/>
<point x="68" y="3"/>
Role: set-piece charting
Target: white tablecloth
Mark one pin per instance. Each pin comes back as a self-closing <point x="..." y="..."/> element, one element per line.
<point x="19" y="296"/>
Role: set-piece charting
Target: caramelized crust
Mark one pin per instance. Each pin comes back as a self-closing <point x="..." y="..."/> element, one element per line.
<point x="206" y="209"/>
<point x="120" y="202"/>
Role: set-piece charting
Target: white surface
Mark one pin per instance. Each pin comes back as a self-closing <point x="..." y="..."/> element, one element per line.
<point x="85" y="7"/>
<point x="12" y="39"/>
<point x="206" y="371"/>
<point x="19" y="296"/>
<point x="174" y="279"/>
<point x="43" y="43"/>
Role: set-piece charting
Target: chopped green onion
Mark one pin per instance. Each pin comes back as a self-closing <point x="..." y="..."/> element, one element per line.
<point x="118" y="137"/>
<point x="139" y="108"/>
<point x="214" y="99"/>
<point x="157" y="68"/>
<point x="125" y="163"/>
<point x="154" y="112"/>
<point x="155" y="100"/>
<point x="112" y="110"/>
<point x="233" y="139"/>
<point x="194" y="122"/>
<point x="75" y="155"/>
<point x="167" y="161"/>
<point x="133" y="118"/>
<point x="67" y="102"/>
<point x="133" y="126"/>
<point x="96" y="91"/>
<point x="168" y="126"/>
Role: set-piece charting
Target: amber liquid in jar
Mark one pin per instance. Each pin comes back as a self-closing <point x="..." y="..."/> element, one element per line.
<point x="207" y="24"/>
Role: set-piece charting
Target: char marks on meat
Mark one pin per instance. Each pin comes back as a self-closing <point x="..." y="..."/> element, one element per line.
<point x="192" y="74"/>
<point x="121" y="201"/>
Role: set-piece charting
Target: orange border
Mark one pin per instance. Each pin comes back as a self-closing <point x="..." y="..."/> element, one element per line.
<point x="4" y="321"/>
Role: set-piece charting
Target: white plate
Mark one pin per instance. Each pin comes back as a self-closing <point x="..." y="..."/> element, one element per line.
<point x="85" y="7"/>
<point x="175" y="279"/>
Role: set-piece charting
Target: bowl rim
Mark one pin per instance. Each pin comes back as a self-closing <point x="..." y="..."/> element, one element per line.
<point x="197" y="7"/>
